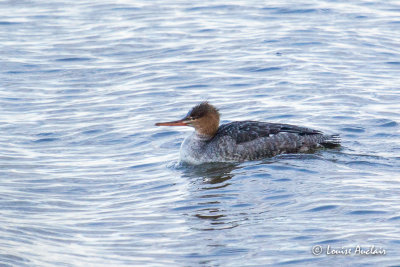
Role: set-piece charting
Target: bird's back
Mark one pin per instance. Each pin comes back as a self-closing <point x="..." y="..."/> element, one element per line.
<point x="249" y="140"/>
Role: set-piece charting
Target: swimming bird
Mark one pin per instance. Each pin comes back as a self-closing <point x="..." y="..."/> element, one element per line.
<point x="243" y="140"/>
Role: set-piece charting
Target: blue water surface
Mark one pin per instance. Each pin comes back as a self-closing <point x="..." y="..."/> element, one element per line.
<point x="86" y="179"/>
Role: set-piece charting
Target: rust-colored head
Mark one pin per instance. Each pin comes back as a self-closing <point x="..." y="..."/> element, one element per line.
<point x="204" y="118"/>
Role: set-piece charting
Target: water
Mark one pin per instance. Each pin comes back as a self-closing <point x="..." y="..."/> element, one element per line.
<point x="87" y="179"/>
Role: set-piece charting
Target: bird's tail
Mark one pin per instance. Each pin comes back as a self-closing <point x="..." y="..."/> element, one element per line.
<point x="331" y="141"/>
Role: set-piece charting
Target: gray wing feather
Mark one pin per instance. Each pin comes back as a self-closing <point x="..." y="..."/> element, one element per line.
<point x="246" y="131"/>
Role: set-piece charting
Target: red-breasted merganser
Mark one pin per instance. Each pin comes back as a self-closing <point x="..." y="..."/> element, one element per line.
<point x="243" y="140"/>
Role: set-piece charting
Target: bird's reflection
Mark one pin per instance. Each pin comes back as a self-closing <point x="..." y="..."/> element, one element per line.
<point x="212" y="173"/>
<point x="210" y="194"/>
